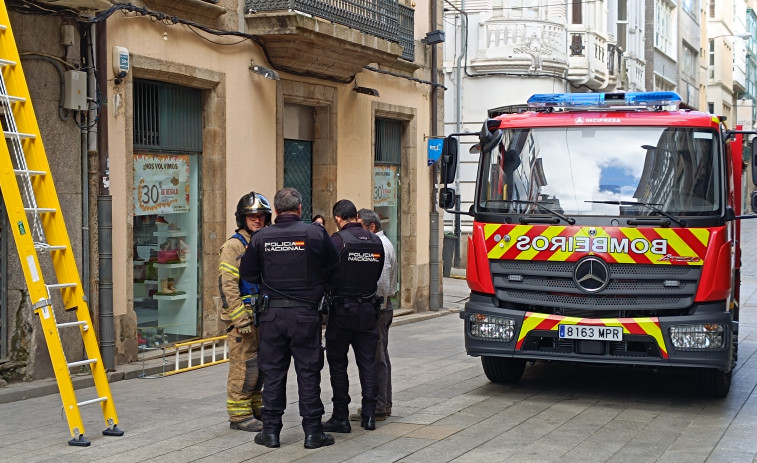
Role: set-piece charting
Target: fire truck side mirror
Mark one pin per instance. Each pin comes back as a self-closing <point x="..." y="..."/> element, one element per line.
<point x="449" y="159"/>
<point x="446" y="198"/>
<point x="754" y="202"/>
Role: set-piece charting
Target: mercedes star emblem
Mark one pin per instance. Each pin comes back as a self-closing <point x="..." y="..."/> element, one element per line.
<point x="591" y="274"/>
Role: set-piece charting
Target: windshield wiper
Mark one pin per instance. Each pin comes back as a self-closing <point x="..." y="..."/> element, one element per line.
<point x="653" y="207"/>
<point x="570" y="220"/>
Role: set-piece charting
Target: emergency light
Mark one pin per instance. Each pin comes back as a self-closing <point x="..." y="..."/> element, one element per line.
<point x="603" y="100"/>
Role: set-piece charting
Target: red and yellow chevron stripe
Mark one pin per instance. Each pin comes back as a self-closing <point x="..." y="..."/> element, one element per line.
<point x="544" y="322"/>
<point x="682" y="246"/>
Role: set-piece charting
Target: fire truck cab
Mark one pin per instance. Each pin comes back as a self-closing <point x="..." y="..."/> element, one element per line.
<point x="605" y="230"/>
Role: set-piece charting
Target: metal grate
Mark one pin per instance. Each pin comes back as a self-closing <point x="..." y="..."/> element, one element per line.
<point x="167" y="118"/>
<point x="298" y="172"/>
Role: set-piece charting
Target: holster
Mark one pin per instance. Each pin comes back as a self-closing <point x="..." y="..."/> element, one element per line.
<point x="260" y="308"/>
<point x="324" y="304"/>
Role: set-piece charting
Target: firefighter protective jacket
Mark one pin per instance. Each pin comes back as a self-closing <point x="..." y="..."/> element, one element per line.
<point x="234" y="309"/>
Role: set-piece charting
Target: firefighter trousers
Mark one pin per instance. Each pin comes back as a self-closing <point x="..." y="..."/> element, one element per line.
<point x="245" y="383"/>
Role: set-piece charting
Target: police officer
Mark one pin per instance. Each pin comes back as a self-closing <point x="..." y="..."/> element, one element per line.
<point x="291" y="261"/>
<point x="244" y="384"/>
<point x="352" y="319"/>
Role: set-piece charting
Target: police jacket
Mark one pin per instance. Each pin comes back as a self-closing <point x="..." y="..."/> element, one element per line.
<point x="290" y="260"/>
<point x="235" y="293"/>
<point x="361" y="260"/>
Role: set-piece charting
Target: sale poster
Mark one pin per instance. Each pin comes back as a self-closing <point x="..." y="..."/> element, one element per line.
<point x="384" y="186"/>
<point x="161" y="184"/>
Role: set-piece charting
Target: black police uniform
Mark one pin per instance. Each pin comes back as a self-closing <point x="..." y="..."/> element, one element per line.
<point x="291" y="261"/>
<point x="352" y="320"/>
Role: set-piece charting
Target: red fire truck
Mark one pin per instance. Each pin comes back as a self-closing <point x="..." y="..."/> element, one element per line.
<point x="605" y="230"/>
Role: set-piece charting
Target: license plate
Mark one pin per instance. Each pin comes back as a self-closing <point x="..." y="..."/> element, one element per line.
<point x="591" y="332"/>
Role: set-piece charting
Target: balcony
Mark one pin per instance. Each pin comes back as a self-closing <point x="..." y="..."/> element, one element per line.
<point x="521" y="47"/>
<point x="332" y="38"/>
<point x="588" y="59"/>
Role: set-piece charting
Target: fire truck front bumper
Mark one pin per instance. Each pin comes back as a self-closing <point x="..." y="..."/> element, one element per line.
<point x="703" y="340"/>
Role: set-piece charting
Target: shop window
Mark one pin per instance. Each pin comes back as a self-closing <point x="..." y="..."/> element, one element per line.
<point x="386" y="182"/>
<point x="166" y="233"/>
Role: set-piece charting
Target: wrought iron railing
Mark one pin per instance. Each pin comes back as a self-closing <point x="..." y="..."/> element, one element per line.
<point x="407" y="32"/>
<point x="381" y="18"/>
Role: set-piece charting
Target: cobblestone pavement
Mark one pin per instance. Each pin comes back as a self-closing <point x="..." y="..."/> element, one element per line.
<point x="444" y="410"/>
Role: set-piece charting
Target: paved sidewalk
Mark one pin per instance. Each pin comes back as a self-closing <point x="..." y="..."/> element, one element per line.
<point x="444" y="410"/>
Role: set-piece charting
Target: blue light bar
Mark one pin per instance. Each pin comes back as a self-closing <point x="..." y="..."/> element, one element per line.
<point x="603" y="100"/>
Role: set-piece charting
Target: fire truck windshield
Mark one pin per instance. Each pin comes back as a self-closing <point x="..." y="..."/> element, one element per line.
<point x="603" y="171"/>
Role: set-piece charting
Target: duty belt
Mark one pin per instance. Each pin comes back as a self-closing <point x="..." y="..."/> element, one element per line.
<point x="358" y="299"/>
<point x="286" y="303"/>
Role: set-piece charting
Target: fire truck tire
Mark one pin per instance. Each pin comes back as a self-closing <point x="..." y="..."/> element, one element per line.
<point x="717" y="383"/>
<point x="503" y="370"/>
<point x="714" y="382"/>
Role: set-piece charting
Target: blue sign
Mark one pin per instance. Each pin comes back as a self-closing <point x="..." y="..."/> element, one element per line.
<point x="434" y="150"/>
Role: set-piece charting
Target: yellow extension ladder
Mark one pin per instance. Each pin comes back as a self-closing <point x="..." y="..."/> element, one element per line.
<point x="35" y="217"/>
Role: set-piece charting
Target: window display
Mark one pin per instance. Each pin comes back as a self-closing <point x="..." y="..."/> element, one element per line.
<point x="166" y="270"/>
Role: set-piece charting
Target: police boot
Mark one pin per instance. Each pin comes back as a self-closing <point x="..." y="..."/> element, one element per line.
<point x="317" y="440"/>
<point x="270" y="440"/>
<point x="336" y="424"/>
<point x="369" y="423"/>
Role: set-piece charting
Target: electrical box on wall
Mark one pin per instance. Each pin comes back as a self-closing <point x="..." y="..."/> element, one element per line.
<point x="120" y="62"/>
<point x="75" y="96"/>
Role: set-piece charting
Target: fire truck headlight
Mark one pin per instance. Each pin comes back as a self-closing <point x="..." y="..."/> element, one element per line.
<point x="696" y="337"/>
<point x="491" y="327"/>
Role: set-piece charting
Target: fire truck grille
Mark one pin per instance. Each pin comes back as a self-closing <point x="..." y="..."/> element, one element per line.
<point x="641" y="290"/>
<point x="635" y="346"/>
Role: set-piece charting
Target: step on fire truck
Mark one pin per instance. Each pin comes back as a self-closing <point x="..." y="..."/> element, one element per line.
<point x="605" y="230"/>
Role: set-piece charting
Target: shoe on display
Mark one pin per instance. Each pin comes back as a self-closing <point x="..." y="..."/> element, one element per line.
<point x="249" y="425"/>
<point x="314" y="441"/>
<point x="336" y="424"/>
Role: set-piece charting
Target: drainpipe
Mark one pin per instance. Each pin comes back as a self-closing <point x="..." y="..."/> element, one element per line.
<point x="104" y="209"/>
<point x="459" y="123"/>
<point x="434" y="300"/>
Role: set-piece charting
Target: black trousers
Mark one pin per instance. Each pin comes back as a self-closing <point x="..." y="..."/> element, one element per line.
<point x="352" y="324"/>
<point x="286" y="333"/>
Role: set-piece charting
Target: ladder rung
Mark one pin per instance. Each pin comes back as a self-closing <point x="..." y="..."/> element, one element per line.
<point x="19" y="134"/>
<point x="93" y="401"/>
<point x="7" y="62"/>
<point x="3" y="27"/>
<point x="40" y="210"/>
<point x="44" y="247"/>
<point x="12" y="99"/>
<point x="61" y="285"/>
<point x="76" y="323"/>
<point x="82" y="362"/>
<point x="29" y="172"/>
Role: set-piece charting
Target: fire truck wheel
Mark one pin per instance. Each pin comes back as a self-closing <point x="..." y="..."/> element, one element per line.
<point x="714" y="382"/>
<point x="503" y="370"/>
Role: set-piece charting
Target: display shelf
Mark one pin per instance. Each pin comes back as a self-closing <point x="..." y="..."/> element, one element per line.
<point x="142" y="299"/>
<point x="169" y="234"/>
<point x="174" y="265"/>
<point x="139" y="262"/>
<point x="171" y="297"/>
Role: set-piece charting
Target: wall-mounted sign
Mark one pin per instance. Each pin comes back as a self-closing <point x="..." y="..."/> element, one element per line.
<point x="434" y="150"/>
<point x="384" y="186"/>
<point x="161" y="184"/>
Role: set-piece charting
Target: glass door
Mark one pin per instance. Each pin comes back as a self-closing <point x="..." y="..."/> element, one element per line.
<point x="386" y="183"/>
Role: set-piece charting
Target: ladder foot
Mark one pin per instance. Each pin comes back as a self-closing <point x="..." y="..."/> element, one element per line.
<point x="79" y="441"/>
<point x="114" y="431"/>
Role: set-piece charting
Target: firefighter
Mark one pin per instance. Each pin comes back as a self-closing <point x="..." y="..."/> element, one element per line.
<point x="352" y="319"/>
<point x="244" y="384"/>
<point x="291" y="261"/>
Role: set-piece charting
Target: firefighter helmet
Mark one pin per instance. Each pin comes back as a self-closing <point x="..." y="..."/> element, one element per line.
<point x="252" y="203"/>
